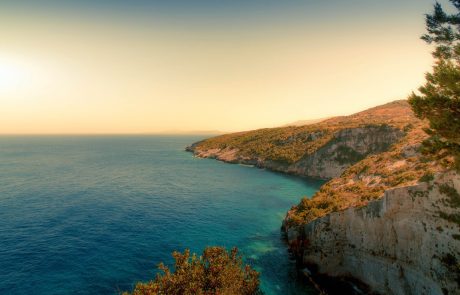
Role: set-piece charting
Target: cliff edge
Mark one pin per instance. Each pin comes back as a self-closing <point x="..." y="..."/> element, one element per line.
<point x="407" y="242"/>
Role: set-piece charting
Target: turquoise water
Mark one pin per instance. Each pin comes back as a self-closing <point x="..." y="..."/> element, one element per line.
<point x="93" y="215"/>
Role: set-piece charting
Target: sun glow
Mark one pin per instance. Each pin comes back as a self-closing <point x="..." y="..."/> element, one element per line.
<point x="13" y="75"/>
<point x="24" y="81"/>
<point x="129" y="74"/>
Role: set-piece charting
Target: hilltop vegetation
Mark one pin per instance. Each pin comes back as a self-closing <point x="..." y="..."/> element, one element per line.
<point x="288" y="145"/>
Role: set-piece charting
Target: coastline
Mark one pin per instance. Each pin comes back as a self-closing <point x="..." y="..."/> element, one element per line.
<point x="324" y="284"/>
<point x="336" y="285"/>
<point x="323" y="264"/>
<point x="260" y="165"/>
<point x="342" y="231"/>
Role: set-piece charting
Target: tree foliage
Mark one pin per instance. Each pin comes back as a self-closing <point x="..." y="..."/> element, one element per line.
<point x="439" y="99"/>
<point x="216" y="271"/>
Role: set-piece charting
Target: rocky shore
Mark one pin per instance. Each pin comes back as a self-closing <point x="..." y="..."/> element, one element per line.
<point x="387" y="222"/>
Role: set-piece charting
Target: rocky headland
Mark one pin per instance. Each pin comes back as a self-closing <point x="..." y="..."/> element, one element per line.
<point x="388" y="217"/>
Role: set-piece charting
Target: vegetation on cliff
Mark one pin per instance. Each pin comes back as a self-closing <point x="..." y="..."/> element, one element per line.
<point x="216" y="271"/>
<point x="367" y="180"/>
<point x="288" y="145"/>
<point x="284" y="144"/>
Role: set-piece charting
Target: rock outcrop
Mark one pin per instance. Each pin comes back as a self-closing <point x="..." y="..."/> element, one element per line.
<point x="408" y="242"/>
<point x="348" y="146"/>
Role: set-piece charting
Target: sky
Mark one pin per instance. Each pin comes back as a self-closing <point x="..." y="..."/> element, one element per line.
<point x="109" y="67"/>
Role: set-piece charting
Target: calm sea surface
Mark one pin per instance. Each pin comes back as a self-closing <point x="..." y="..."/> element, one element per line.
<point x="95" y="214"/>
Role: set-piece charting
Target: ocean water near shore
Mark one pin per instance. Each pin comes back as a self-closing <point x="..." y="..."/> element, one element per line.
<point x="95" y="214"/>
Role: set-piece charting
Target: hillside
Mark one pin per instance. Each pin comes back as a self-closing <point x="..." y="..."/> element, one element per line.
<point x="367" y="180"/>
<point x="322" y="150"/>
<point x="384" y="206"/>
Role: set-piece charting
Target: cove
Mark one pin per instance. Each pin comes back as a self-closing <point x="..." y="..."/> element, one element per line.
<point x="95" y="214"/>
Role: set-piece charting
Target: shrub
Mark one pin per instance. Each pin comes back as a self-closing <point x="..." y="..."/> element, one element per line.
<point x="217" y="271"/>
<point x="451" y="192"/>
<point x="427" y="177"/>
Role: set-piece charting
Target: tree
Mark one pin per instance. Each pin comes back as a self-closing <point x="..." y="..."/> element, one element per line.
<point x="217" y="271"/>
<point x="439" y="99"/>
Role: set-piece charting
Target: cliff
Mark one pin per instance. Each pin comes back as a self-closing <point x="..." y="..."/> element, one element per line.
<point x="392" y="221"/>
<point x="408" y="242"/>
<point x="322" y="150"/>
<point x="388" y="217"/>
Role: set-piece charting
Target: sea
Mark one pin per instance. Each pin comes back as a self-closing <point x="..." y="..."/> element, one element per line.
<point x="96" y="214"/>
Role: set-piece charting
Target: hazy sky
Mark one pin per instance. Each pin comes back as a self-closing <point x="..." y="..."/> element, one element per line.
<point x="155" y="66"/>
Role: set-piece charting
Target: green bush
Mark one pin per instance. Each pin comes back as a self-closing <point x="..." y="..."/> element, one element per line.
<point x="427" y="177"/>
<point x="216" y="271"/>
<point x="452" y="194"/>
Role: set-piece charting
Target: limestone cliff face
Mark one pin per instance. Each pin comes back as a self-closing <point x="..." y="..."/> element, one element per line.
<point x="346" y="147"/>
<point x="408" y="242"/>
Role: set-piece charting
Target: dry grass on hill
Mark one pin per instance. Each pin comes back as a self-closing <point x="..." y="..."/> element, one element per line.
<point x="290" y="144"/>
<point x="367" y="180"/>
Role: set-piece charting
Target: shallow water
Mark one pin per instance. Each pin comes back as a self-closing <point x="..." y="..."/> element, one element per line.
<point x="95" y="214"/>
